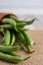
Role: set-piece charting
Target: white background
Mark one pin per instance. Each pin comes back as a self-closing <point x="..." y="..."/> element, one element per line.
<point x="22" y="6"/>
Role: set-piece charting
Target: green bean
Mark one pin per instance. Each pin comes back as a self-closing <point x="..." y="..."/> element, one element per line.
<point x="19" y="34"/>
<point x="26" y="46"/>
<point x="9" y="48"/>
<point x="10" y="21"/>
<point x="29" y="41"/>
<point x="15" y="18"/>
<point x="23" y="43"/>
<point x="6" y="26"/>
<point x="30" y="22"/>
<point x="24" y="23"/>
<point x="7" y="37"/>
<point x="11" y="58"/>
<point x="21" y="21"/>
<point x="14" y="54"/>
<point x="12" y="38"/>
<point x="22" y="28"/>
<point x="27" y="37"/>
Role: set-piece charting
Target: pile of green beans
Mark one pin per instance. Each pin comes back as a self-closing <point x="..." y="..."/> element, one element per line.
<point x="13" y="30"/>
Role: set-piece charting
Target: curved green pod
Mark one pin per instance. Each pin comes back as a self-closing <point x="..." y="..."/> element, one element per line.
<point x="9" y="48"/>
<point x="15" y="18"/>
<point x="11" y="58"/>
<point x="27" y="37"/>
<point x="10" y="21"/>
<point x="7" y="38"/>
<point x="6" y="26"/>
<point x="12" y="38"/>
<point x="24" y="23"/>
